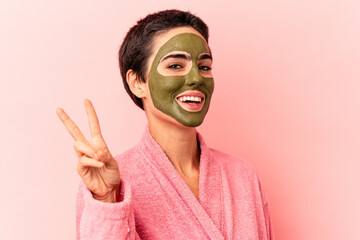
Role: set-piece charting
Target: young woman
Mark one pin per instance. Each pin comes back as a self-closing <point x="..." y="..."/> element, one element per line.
<point x="170" y="185"/>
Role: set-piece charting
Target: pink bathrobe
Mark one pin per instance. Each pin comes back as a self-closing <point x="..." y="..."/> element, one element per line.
<point x="156" y="203"/>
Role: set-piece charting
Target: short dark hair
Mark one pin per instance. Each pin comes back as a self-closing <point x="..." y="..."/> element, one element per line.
<point x="137" y="45"/>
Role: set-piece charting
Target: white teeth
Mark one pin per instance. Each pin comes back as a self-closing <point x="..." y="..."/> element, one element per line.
<point x="190" y="98"/>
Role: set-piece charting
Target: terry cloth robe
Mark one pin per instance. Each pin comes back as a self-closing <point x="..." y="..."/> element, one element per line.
<point x="156" y="203"/>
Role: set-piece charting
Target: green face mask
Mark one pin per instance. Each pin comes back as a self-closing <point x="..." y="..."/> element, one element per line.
<point x="165" y="89"/>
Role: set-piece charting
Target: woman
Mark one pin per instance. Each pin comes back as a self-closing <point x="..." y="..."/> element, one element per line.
<point x="170" y="185"/>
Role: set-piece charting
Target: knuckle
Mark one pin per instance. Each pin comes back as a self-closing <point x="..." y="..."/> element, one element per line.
<point x="101" y="154"/>
<point x="98" y="138"/>
<point x="74" y="129"/>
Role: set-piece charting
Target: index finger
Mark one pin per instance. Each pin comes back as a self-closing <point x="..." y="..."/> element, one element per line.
<point x="93" y="119"/>
<point x="70" y="125"/>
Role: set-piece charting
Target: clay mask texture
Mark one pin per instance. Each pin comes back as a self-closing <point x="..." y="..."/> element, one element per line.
<point x="165" y="89"/>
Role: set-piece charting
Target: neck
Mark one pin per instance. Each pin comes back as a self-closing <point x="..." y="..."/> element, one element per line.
<point x="179" y="144"/>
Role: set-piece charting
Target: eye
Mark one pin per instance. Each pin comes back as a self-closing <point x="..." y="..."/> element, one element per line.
<point x="175" y="66"/>
<point x="205" y="68"/>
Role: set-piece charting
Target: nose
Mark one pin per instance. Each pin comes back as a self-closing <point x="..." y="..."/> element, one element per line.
<point x="194" y="78"/>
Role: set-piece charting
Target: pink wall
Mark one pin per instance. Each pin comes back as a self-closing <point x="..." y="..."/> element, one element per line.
<point x="286" y="99"/>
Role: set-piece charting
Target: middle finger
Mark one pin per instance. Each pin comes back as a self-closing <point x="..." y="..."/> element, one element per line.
<point x="93" y="119"/>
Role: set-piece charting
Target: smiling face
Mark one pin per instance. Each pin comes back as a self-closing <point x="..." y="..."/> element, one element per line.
<point x="180" y="79"/>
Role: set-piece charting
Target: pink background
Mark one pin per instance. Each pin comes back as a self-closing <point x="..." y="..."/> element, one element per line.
<point x="286" y="99"/>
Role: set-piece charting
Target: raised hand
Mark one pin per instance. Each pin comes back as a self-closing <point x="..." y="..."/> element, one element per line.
<point x="96" y="166"/>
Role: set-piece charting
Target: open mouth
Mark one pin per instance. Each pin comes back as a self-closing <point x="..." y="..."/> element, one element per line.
<point x="191" y="101"/>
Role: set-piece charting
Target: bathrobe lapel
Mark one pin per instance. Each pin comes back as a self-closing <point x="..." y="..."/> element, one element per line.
<point x="209" y="209"/>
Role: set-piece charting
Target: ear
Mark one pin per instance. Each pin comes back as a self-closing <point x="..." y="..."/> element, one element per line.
<point x="136" y="86"/>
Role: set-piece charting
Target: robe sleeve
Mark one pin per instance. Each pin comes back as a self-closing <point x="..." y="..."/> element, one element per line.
<point x="99" y="220"/>
<point x="266" y="210"/>
<point x="269" y="230"/>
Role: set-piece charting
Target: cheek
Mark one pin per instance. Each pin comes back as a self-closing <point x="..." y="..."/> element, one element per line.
<point x="174" y="83"/>
<point x="209" y="85"/>
<point x="167" y="85"/>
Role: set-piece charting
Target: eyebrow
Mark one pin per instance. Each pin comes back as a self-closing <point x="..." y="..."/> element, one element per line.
<point x="182" y="56"/>
<point x="205" y="56"/>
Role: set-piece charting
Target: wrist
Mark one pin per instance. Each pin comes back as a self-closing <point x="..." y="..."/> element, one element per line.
<point x="111" y="197"/>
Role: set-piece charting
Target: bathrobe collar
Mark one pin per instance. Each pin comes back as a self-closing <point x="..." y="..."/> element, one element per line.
<point x="208" y="210"/>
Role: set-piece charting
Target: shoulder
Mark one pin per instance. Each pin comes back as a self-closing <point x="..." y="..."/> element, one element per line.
<point x="228" y="160"/>
<point x="240" y="174"/>
<point x="229" y="163"/>
<point x="234" y="166"/>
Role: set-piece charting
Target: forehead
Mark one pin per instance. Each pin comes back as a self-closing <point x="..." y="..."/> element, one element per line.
<point x="187" y="42"/>
<point x="162" y="37"/>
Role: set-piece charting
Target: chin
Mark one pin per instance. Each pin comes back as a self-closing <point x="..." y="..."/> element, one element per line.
<point x="180" y="117"/>
<point x="190" y="122"/>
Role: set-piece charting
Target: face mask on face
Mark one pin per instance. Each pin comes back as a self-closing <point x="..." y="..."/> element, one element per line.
<point x="180" y="79"/>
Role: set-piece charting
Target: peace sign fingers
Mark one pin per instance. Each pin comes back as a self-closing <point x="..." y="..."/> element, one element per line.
<point x="70" y="125"/>
<point x="96" y="166"/>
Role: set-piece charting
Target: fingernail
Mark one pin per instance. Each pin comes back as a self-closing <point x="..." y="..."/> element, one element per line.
<point x="100" y="164"/>
<point x="96" y="156"/>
